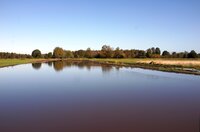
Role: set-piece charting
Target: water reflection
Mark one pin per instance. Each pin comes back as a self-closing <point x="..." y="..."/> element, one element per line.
<point x="60" y="65"/>
<point x="127" y="100"/>
<point x="106" y="69"/>
<point x="50" y="64"/>
<point x="37" y="66"/>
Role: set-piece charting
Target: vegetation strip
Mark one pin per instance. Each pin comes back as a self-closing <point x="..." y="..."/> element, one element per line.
<point x="14" y="62"/>
<point x="140" y="63"/>
<point x="159" y="67"/>
<point x="152" y="58"/>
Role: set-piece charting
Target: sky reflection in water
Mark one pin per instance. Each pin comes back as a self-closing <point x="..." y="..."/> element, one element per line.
<point x="88" y="97"/>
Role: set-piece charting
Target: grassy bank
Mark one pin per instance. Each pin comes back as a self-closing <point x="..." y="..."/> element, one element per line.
<point x="188" y="66"/>
<point x="187" y="63"/>
<point x="13" y="62"/>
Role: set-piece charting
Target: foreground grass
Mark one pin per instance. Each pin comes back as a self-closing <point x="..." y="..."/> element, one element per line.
<point x="188" y="66"/>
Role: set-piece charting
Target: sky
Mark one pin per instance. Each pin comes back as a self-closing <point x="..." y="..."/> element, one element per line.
<point x="172" y="25"/>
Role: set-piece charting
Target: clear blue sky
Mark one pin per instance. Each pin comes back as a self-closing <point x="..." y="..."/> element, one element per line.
<point x="77" y="24"/>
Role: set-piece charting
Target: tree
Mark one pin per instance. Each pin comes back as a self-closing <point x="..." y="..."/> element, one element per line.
<point x="119" y="53"/>
<point x="174" y="54"/>
<point x="79" y="54"/>
<point x="36" y="54"/>
<point x="106" y="51"/>
<point x="68" y="54"/>
<point x="149" y="53"/>
<point x="47" y="56"/>
<point x="192" y="54"/>
<point x="185" y="54"/>
<point x="165" y="53"/>
<point x="141" y="54"/>
<point x="153" y="50"/>
<point x="88" y="53"/>
<point x="50" y="55"/>
<point x="58" y="52"/>
<point x="157" y="51"/>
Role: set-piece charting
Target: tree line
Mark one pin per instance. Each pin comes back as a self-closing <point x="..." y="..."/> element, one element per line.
<point x="6" y="55"/>
<point x="105" y="52"/>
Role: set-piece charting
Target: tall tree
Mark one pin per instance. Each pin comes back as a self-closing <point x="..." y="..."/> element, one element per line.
<point x="192" y="54"/>
<point x="149" y="53"/>
<point x="68" y="54"/>
<point x="50" y="55"/>
<point x="58" y="52"/>
<point x="119" y="53"/>
<point x="79" y="54"/>
<point x="106" y="51"/>
<point x="36" y="54"/>
<point x="165" y="53"/>
<point x="88" y="53"/>
<point x="157" y="51"/>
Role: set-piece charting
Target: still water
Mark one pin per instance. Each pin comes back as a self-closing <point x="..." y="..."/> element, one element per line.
<point x="88" y="97"/>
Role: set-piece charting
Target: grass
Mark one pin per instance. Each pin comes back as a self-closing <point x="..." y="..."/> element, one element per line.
<point x="13" y="62"/>
<point x="188" y="66"/>
<point x="187" y="63"/>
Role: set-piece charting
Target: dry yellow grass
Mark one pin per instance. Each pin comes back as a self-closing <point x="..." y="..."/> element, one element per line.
<point x="172" y="62"/>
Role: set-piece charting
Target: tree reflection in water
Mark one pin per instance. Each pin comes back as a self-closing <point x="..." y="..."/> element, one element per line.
<point x="60" y="65"/>
<point x="106" y="68"/>
<point x="50" y="63"/>
<point x="36" y="66"/>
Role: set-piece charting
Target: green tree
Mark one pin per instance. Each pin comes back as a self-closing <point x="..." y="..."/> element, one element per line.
<point x="36" y="54"/>
<point x="68" y="54"/>
<point x="165" y="53"/>
<point x="58" y="52"/>
<point x="174" y="55"/>
<point x="79" y="54"/>
<point x="192" y="54"/>
<point x="141" y="54"/>
<point x="50" y="55"/>
<point x="153" y="50"/>
<point x="149" y="53"/>
<point x="157" y="51"/>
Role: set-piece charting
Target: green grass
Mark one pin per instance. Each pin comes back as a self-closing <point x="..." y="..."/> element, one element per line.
<point x="12" y="62"/>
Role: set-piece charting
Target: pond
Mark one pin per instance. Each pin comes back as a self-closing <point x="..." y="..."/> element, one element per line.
<point x="88" y="97"/>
